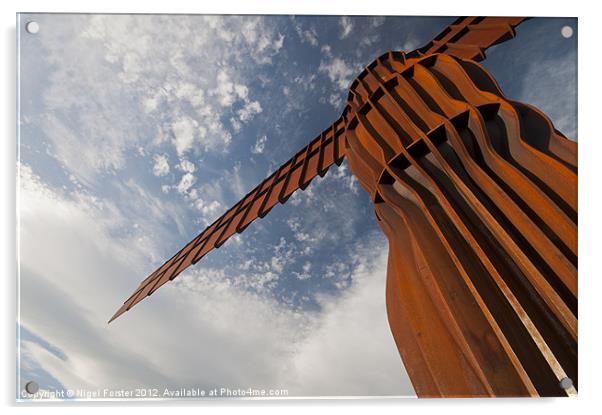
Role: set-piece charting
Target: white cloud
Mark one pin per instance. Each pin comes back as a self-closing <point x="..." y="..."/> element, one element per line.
<point x="306" y="81"/>
<point x="210" y="210"/>
<point x="368" y="40"/>
<point x="236" y="125"/>
<point x="336" y="100"/>
<point x="377" y="21"/>
<point x="322" y="365"/>
<point x="305" y="275"/>
<point x="264" y="44"/>
<point x="302" y="236"/>
<point x="343" y="175"/>
<point x="161" y="166"/>
<point x="184" y="134"/>
<point x="250" y="109"/>
<point x="100" y="65"/>
<point x="338" y="71"/>
<point x="293" y="224"/>
<point x="186" y="183"/>
<point x="410" y="43"/>
<point x="211" y="197"/>
<point x="307" y="35"/>
<point x="346" y="26"/>
<point x="259" y="145"/>
<point x="74" y="272"/>
<point x="151" y="103"/>
<point x="283" y="253"/>
<point x="229" y="92"/>
<point x="191" y="93"/>
<point x="277" y="44"/>
<point x="226" y="91"/>
<point x="187" y="166"/>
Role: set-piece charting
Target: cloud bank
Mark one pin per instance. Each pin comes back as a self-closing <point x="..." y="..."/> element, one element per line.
<point x="204" y="330"/>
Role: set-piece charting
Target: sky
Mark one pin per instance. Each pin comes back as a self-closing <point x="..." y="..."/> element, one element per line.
<point x="137" y="131"/>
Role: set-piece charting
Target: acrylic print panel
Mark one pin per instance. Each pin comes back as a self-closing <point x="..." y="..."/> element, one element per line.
<point x="393" y="199"/>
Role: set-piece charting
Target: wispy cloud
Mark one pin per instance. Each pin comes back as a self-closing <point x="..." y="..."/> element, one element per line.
<point x="161" y="166"/>
<point x="338" y="71"/>
<point x="346" y="26"/>
<point x="540" y="82"/>
<point x="93" y="134"/>
<point x="259" y="145"/>
<point x="306" y="35"/>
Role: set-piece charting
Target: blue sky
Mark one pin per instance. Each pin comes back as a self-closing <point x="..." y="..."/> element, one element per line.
<point x="138" y="131"/>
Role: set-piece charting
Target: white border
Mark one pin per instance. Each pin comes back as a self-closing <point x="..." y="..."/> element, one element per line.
<point x="590" y="208"/>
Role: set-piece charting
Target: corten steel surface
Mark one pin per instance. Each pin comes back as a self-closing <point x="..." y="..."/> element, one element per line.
<point x="478" y="198"/>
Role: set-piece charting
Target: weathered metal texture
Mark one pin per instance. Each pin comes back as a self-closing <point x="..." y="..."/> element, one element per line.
<point x="478" y="198"/>
<point x="469" y="37"/>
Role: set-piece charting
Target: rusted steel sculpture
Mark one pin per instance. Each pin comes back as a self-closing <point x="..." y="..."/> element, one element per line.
<point x="477" y="195"/>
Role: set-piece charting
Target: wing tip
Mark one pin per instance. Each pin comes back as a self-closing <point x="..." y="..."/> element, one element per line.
<point x="119" y="312"/>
